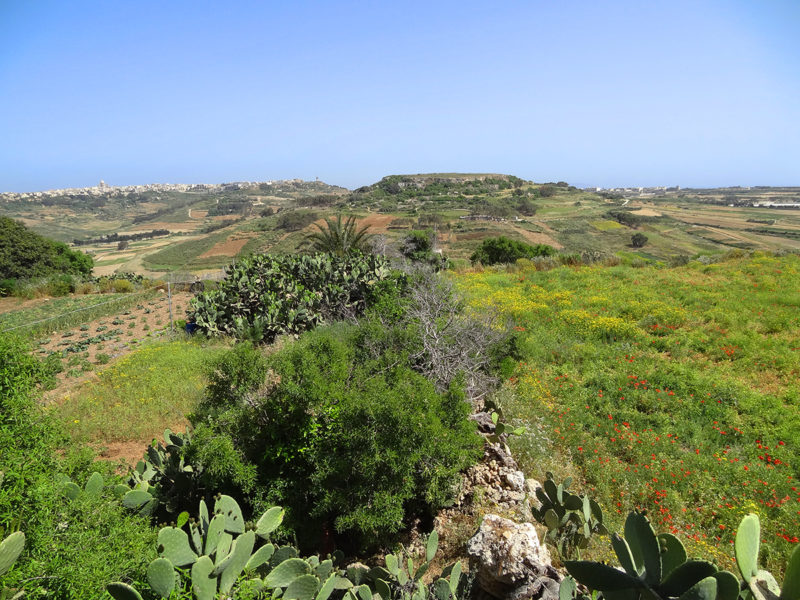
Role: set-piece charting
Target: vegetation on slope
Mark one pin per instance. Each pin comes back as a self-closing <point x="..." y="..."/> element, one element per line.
<point x="72" y="548"/>
<point x="25" y="255"/>
<point x="673" y="390"/>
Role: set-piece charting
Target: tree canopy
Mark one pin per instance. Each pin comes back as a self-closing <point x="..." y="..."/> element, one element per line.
<point x="25" y="254"/>
<point x="504" y="250"/>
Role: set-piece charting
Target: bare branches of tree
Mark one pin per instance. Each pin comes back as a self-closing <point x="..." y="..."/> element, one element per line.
<point x="453" y="343"/>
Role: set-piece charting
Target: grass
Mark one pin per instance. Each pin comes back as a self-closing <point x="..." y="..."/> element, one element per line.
<point x="674" y="390"/>
<point x="140" y="395"/>
<point x="58" y="314"/>
<point x="606" y="225"/>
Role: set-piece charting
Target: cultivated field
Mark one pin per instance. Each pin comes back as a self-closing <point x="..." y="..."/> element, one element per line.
<point x="206" y="231"/>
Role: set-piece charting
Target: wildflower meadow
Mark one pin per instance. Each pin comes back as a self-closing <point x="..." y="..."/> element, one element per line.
<point x="669" y="389"/>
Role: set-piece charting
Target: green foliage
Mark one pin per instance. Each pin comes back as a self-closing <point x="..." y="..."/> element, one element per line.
<point x="69" y="542"/>
<point x="419" y="246"/>
<point x="25" y="255"/>
<point x="357" y="436"/>
<point x="760" y="583"/>
<point x="162" y="483"/>
<point x="27" y="439"/>
<point x="502" y="430"/>
<point x="340" y="239"/>
<point x="625" y="217"/>
<point x="296" y="220"/>
<point x="234" y="374"/>
<point x="571" y="520"/>
<point x="504" y="250"/>
<point x="264" y="295"/>
<point x="215" y="556"/>
<point x="654" y="567"/>
<point x="72" y="533"/>
<point x="638" y="240"/>
<point x="657" y="567"/>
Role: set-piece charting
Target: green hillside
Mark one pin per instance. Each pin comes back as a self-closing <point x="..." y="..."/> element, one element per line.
<point x="24" y="254"/>
<point x="671" y="390"/>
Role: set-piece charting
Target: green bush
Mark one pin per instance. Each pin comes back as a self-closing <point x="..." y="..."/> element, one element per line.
<point x="60" y="285"/>
<point x="26" y="255"/>
<point x="357" y="441"/>
<point x="122" y="286"/>
<point x="76" y="547"/>
<point x="419" y="246"/>
<point x="264" y="296"/>
<point x="504" y="250"/>
<point x="72" y="549"/>
<point x="296" y="220"/>
<point x="8" y="287"/>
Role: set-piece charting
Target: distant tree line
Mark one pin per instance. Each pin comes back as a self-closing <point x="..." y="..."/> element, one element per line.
<point x="122" y="237"/>
<point x="296" y="220"/>
<point x="230" y="206"/>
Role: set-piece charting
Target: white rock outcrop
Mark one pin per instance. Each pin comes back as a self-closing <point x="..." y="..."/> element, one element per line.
<point x="509" y="561"/>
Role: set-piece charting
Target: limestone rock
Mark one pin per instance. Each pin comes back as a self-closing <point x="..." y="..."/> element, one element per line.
<point x="531" y="485"/>
<point x="510" y="562"/>
<point x="484" y="421"/>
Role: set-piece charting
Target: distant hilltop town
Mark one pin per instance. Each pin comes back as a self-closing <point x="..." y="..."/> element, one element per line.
<point x="103" y="189"/>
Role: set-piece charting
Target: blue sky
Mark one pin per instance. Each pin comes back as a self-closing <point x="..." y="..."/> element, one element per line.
<point x="609" y="93"/>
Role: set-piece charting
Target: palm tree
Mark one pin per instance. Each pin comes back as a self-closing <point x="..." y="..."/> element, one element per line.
<point x="340" y="238"/>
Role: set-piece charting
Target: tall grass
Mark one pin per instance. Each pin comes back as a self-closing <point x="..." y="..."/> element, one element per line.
<point x="140" y="395"/>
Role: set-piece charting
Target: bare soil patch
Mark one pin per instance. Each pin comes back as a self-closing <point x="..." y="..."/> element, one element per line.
<point x="538" y="238"/>
<point x="646" y="212"/>
<point x="10" y="303"/>
<point x="377" y="223"/>
<point x="131" y="452"/>
<point x="230" y="247"/>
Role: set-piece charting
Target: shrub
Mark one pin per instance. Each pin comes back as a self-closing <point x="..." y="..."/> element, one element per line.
<point x="69" y="543"/>
<point x="345" y="436"/>
<point x="420" y="246"/>
<point x="638" y="240"/>
<point x="236" y="373"/>
<point x="296" y="220"/>
<point x="25" y="255"/>
<point x="121" y="286"/>
<point x="60" y="285"/>
<point x="504" y="250"/>
<point x="7" y="287"/>
<point x="264" y="296"/>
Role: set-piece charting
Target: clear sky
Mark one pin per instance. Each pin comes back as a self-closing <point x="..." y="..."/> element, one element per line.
<point x="593" y="92"/>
